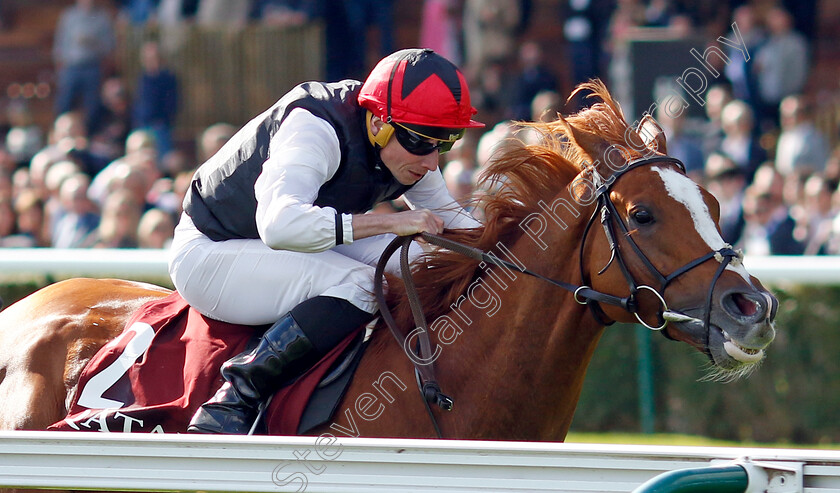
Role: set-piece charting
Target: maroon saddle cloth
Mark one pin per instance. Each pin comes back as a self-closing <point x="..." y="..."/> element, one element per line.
<point x="165" y="364"/>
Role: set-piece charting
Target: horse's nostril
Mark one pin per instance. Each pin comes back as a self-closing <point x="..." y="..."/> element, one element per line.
<point x="751" y="306"/>
<point x="745" y="305"/>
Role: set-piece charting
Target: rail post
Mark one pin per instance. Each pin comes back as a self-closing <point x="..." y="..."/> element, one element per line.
<point x="739" y="476"/>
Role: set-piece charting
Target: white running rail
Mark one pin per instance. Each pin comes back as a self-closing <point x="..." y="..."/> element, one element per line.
<point x="97" y="461"/>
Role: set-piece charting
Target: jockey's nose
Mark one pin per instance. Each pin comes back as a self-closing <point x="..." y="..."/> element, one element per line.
<point x="430" y="161"/>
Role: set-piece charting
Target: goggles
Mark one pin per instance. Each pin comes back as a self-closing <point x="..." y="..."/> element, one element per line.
<point x="420" y="144"/>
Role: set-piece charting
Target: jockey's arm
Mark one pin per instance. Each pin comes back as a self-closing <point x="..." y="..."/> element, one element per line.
<point x="399" y="223"/>
<point x="305" y="155"/>
<point x="433" y="209"/>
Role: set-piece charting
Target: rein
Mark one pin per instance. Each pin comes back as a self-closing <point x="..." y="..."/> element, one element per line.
<point x="422" y="355"/>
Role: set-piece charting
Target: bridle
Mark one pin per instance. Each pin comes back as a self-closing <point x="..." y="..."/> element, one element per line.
<point x="583" y="294"/>
<point x="610" y="218"/>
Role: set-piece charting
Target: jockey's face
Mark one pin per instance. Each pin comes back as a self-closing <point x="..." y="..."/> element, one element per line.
<point x="406" y="167"/>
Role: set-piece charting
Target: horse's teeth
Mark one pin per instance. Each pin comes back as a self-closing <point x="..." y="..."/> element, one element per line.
<point x="742" y="354"/>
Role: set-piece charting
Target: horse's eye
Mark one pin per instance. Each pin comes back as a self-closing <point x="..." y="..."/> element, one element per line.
<point x="641" y="216"/>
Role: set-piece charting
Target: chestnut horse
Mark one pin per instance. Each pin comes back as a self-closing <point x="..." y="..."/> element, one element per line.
<point x="627" y="238"/>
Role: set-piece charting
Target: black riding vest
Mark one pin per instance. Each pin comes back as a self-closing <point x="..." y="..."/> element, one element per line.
<point x="221" y="199"/>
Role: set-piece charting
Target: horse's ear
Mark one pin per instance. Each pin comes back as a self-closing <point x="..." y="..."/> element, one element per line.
<point x="592" y="145"/>
<point x="652" y="134"/>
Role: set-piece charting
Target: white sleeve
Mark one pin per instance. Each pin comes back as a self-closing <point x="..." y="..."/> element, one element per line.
<point x="303" y="155"/>
<point x="431" y="193"/>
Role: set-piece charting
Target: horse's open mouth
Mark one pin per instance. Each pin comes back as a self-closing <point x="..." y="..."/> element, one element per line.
<point x="739" y="352"/>
<point x="735" y="349"/>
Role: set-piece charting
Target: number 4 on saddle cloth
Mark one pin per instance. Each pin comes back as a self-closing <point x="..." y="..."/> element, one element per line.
<point x="166" y="363"/>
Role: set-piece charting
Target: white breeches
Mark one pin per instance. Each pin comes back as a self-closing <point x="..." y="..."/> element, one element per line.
<point x="246" y="282"/>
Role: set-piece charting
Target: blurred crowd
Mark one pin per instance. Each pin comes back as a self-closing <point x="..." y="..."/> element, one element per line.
<point x="108" y="172"/>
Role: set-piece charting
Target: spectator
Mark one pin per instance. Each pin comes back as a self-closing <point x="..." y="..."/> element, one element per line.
<point x="174" y="162"/>
<point x="140" y="150"/>
<point x="138" y="12"/>
<point x="727" y="183"/>
<point x="532" y="78"/>
<point x="793" y="192"/>
<point x="546" y="106"/>
<point x="492" y="91"/>
<point x="489" y="31"/>
<point x="180" y="187"/>
<point x="583" y="30"/>
<point x="140" y="140"/>
<point x="801" y="147"/>
<point x="459" y="175"/>
<point x="113" y="125"/>
<point x="223" y="13"/>
<point x="658" y="13"/>
<point x="6" y="186"/>
<point x="717" y="97"/>
<point x="55" y="177"/>
<point x="213" y="138"/>
<point x="131" y="175"/>
<point x="156" y="101"/>
<point x="491" y="141"/>
<point x="8" y="223"/>
<point x="360" y="16"/>
<point x="740" y="142"/>
<point x="24" y="138"/>
<point x="38" y="169"/>
<point x="68" y="134"/>
<point x="489" y="44"/>
<point x="627" y="16"/>
<point x="285" y="12"/>
<point x="156" y="229"/>
<point x="31" y="230"/>
<point x="119" y="221"/>
<point x="815" y="217"/>
<point x="681" y="145"/>
<point x="832" y="166"/>
<point x="440" y="28"/>
<point x="8" y="165"/>
<point x="781" y="64"/>
<point x="80" y="218"/>
<point x="459" y="170"/>
<point x="172" y="19"/>
<point x="84" y="39"/>
<point x="741" y="72"/>
<point x="21" y="180"/>
<point x="173" y="13"/>
<point x="769" y="226"/>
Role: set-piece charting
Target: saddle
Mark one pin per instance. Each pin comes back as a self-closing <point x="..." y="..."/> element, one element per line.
<point x="165" y="364"/>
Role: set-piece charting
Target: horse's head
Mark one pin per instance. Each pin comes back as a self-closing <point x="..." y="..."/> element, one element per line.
<point x="653" y="241"/>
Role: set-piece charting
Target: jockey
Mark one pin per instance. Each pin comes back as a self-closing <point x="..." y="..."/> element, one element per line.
<point x="274" y="229"/>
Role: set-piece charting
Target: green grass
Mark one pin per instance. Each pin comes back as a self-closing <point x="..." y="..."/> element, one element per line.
<point x="685" y="440"/>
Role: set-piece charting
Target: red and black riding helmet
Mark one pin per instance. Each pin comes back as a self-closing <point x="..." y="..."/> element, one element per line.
<point x="421" y="90"/>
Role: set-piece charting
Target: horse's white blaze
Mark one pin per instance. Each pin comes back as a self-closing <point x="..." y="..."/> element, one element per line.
<point x="685" y="191"/>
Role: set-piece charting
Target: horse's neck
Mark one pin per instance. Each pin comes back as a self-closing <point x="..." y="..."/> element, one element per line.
<point x="518" y="367"/>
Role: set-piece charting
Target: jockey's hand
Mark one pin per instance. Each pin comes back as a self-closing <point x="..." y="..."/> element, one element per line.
<point x="399" y="223"/>
<point x="417" y="221"/>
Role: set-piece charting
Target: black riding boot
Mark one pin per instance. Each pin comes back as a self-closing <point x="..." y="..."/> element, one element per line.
<point x="284" y="352"/>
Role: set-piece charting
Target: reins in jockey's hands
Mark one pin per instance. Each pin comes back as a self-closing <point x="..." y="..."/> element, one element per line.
<point x="404" y="223"/>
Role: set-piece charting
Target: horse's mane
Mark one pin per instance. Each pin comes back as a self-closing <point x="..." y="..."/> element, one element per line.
<point x="517" y="178"/>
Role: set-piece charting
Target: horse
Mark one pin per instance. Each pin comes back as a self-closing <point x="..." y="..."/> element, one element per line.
<point x="608" y="224"/>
